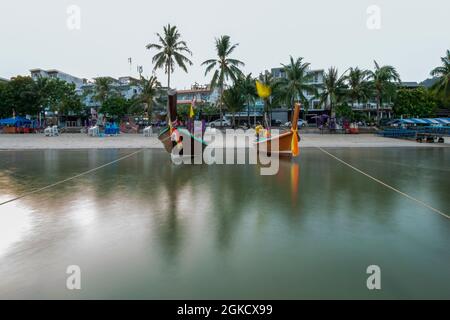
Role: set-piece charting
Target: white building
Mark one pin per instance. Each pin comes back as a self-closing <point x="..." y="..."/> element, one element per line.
<point x="56" y="74"/>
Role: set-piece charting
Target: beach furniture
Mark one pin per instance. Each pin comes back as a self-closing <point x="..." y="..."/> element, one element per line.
<point x="148" y="131"/>
<point x="93" y="131"/>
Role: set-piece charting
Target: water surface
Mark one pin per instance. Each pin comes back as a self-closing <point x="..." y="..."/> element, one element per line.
<point x="144" y="228"/>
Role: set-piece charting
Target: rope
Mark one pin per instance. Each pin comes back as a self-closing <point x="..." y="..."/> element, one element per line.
<point x="386" y="185"/>
<point x="68" y="179"/>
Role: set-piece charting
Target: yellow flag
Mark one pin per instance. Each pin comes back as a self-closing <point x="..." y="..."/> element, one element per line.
<point x="294" y="143"/>
<point x="191" y="112"/>
<point x="263" y="90"/>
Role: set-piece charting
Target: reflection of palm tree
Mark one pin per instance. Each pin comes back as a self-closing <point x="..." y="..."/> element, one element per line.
<point x="226" y="67"/>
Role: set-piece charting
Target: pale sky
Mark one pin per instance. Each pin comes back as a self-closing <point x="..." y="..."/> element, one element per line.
<point x="413" y="35"/>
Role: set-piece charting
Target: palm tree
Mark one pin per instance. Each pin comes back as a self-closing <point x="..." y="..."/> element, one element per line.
<point x="359" y="88"/>
<point x="226" y="67"/>
<point x="234" y="100"/>
<point x="171" y="52"/>
<point x="297" y="82"/>
<point x="383" y="79"/>
<point x="248" y="89"/>
<point x="333" y="89"/>
<point x="151" y="90"/>
<point x="442" y="85"/>
<point x="102" y="89"/>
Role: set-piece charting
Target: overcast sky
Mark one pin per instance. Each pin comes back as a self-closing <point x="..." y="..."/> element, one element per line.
<point x="413" y="34"/>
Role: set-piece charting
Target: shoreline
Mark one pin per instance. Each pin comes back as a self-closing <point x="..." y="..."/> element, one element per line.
<point x="137" y="141"/>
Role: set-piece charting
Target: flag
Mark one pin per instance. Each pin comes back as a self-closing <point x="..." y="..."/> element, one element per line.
<point x="191" y="110"/>
<point x="263" y="90"/>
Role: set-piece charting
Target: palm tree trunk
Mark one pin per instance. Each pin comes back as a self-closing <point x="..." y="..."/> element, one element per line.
<point x="378" y="108"/>
<point x="220" y="104"/>
<point x="248" y="113"/>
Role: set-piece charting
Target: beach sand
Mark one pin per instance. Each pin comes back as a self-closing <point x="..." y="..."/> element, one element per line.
<point x="137" y="141"/>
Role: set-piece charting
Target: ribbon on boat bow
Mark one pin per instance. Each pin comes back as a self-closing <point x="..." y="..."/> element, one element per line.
<point x="294" y="142"/>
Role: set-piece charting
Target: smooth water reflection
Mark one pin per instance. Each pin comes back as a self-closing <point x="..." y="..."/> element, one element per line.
<point x="144" y="228"/>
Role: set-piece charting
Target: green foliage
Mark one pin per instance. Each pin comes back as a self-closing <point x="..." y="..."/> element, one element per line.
<point x="334" y="88"/>
<point x="170" y="51"/>
<point x="226" y="67"/>
<point x="343" y="110"/>
<point x="442" y="87"/>
<point x="234" y="99"/>
<point x="116" y="106"/>
<point x="21" y="95"/>
<point x="297" y="82"/>
<point x="414" y="103"/>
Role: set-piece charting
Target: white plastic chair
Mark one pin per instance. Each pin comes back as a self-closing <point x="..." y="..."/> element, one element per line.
<point x="148" y="131"/>
<point x="48" y="131"/>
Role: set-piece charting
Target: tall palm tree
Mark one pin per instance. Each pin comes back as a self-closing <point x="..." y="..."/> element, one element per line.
<point x="234" y="100"/>
<point x="226" y="67"/>
<point x="383" y="79"/>
<point x="151" y="90"/>
<point x="333" y="89"/>
<point x="171" y="51"/>
<point x="442" y="85"/>
<point x="297" y="82"/>
<point x="102" y="89"/>
<point x="359" y="88"/>
<point x="248" y="89"/>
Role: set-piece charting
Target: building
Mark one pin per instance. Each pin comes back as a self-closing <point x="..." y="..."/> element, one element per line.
<point x="201" y="93"/>
<point x="56" y="74"/>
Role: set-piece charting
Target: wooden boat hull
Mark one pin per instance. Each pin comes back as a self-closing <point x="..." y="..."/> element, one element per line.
<point x="190" y="144"/>
<point x="283" y="140"/>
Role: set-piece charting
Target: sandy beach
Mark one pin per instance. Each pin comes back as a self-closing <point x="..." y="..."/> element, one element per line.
<point x="137" y="141"/>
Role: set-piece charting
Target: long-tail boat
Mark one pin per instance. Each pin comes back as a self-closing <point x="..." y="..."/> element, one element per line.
<point x="287" y="143"/>
<point x="190" y="142"/>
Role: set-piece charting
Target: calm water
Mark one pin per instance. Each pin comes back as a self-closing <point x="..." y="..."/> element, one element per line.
<point x="144" y="228"/>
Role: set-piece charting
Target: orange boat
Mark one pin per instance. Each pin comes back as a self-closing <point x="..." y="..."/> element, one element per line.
<point x="284" y="139"/>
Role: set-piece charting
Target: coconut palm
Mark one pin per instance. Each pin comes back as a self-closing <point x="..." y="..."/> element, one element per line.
<point x="442" y="85"/>
<point x="226" y="67"/>
<point x="171" y="51"/>
<point x="333" y="89"/>
<point x="359" y="88"/>
<point x="297" y="82"/>
<point x="248" y="89"/>
<point x="102" y="89"/>
<point x="234" y="100"/>
<point x="383" y="80"/>
<point x="151" y="91"/>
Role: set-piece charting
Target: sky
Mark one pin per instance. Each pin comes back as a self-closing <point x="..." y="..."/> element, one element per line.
<point x="410" y="35"/>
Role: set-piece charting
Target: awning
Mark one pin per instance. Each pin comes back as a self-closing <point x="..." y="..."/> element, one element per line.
<point x="17" y="121"/>
<point x="426" y="121"/>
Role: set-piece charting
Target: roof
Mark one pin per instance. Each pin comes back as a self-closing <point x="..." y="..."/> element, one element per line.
<point x="440" y="121"/>
<point x="409" y="84"/>
<point x="3" y="79"/>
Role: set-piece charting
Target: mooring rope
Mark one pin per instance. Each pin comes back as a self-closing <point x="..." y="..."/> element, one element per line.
<point x="69" y="179"/>
<point x="386" y="185"/>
